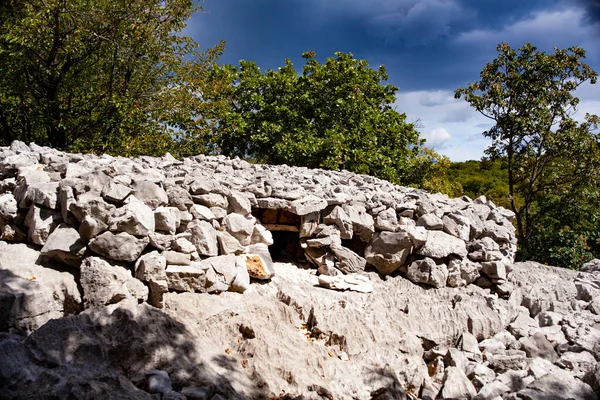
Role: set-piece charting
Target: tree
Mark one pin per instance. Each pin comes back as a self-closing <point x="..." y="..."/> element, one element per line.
<point x="528" y="94"/>
<point x="102" y="75"/>
<point x="335" y="115"/>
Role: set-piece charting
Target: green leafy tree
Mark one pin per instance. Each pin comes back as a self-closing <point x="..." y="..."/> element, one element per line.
<point x="528" y="94"/>
<point x="336" y="115"/>
<point x="484" y="177"/>
<point x="103" y="75"/>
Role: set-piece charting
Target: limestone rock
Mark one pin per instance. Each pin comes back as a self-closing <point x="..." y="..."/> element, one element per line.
<point x="31" y="294"/>
<point x="151" y="194"/>
<point x="186" y="278"/>
<point x="428" y="272"/>
<point x="151" y="268"/>
<point x="348" y="261"/>
<point x="340" y="219"/>
<point x="239" y="227"/>
<point x="65" y="245"/>
<point x="204" y="237"/>
<point x="8" y="206"/>
<point x="439" y="245"/>
<point x="357" y="283"/>
<point x="167" y="219"/>
<point x="256" y="265"/>
<point x="431" y="222"/>
<point x="559" y="385"/>
<point x="363" y="224"/>
<point x="239" y="203"/>
<point x="388" y="251"/>
<point x="135" y="218"/>
<point x="40" y="222"/>
<point x="307" y="204"/>
<point x="387" y="220"/>
<point x="457" y="385"/>
<point x="119" y="247"/>
<point x="457" y="225"/>
<point x="104" y="284"/>
<point x="115" y="191"/>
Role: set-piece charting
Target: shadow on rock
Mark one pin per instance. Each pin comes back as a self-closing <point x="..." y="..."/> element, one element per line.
<point x="99" y="354"/>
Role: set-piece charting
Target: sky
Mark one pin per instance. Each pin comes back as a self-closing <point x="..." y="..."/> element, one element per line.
<point x="429" y="47"/>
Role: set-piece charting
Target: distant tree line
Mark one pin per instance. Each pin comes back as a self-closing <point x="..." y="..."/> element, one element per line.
<point x="119" y="77"/>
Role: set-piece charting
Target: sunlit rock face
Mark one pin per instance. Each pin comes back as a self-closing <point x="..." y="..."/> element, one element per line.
<point x="214" y="278"/>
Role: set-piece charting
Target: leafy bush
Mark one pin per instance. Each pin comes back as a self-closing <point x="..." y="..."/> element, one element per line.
<point x="335" y="115"/>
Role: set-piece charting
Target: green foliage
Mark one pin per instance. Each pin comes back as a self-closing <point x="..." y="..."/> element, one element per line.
<point x="485" y="177"/>
<point x="434" y="171"/>
<point x="103" y="75"/>
<point x="335" y="115"/>
<point x="527" y="93"/>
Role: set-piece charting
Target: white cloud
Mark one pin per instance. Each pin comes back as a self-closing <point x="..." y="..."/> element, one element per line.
<point x="437" y="138"/>
<point x="544" y="29"/>
<point x="454" y="128"/>
<point x="449" y="125"/>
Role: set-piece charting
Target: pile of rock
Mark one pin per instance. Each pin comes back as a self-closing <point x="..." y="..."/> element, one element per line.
<point x="123" y="256"/>
<point x="189" y="225"/>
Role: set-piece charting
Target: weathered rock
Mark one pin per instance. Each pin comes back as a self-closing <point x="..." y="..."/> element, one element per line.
<point x="338" y="217"/>
<point x="387" y="220"/>
<point x="115" y="191"/>
<point x="258" y="265"/>
<point x="65" y="245"/>
<point x="151" y="194"/>
<point x="388" y="251"/>
<point x="8" y="206"/>
<point x="151" y="268"/>
<point x="12" y="233"/>
<point x="261" y="235"/>
<point x="204" y="237"/>
<point x="362" y="222"/>
<point x="462" y="272"/>
<point x="92" y="206"/>
<point x="308" y="224"/>
<point x="226" y="270"/>
<point x="457" y="225"/>
<point x="104" y="284"/>
<point x="428" y="272"/>
<point x="538" y="346"/>
<point x="239" y="227"/>
<point x="183" y="245"/>
<point x="430" y="222"/>
<point x="439" y="245"/>
<point x="239" y="203"/>
<point x="354" y="282"/>
<point x="90" y="228"/>
<point x="211" y="200"/>
<point x="167" y="219"/>
<point x="32" y="294"/>
<point x="40" y="222"/>
<point x="557" y="385"/>
<point x="119" y="247"/>
<point x="457" y="385"/>
<point x="177" y="258"/>
<point x="348" y="261"/>
<point x="186" y="278"/>
<point x="135" y="218"/>
<point x="307" y="204"/>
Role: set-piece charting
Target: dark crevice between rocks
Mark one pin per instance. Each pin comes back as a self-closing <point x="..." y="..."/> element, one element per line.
<point x="285" y="228"/>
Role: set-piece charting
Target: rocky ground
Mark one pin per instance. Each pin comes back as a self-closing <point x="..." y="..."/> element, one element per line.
<point x="154" y="278"/>
<point x="290" y="338"/>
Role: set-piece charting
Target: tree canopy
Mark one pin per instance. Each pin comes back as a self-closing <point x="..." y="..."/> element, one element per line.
<point x="551" y="159"/>
<point x="335" y="115"/>
<point x="103" y="75"/>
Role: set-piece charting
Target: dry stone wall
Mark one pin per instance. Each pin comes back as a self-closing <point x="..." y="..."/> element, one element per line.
<point x="191" y="225"/>
<point x="101" y="240"/>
